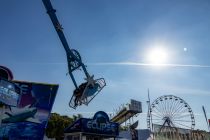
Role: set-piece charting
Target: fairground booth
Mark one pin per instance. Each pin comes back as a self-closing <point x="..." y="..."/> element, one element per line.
<point x="98" y="128"/>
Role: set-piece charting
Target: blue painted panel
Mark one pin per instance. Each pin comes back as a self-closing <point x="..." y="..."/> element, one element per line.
<point x="29" y="119"/>
<point x="9" y="93"/>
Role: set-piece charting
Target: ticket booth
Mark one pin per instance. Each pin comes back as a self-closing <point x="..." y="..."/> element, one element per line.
<point x="98" y="128"/>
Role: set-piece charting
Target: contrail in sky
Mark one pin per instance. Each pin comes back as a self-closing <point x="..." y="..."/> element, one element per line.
<point x="123" y="64"/>
<point x="147" y="64"/>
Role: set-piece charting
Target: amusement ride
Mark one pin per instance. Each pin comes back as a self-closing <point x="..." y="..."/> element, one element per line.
<point x="169" y="113"/>
<point x="86" y="91"/>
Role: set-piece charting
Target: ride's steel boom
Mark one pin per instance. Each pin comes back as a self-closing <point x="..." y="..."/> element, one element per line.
<point x="59" y="29"/>
<point x="92" y="87"/>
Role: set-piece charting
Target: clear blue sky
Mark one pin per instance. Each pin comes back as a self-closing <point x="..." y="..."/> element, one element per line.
<point x="107" y="32"/>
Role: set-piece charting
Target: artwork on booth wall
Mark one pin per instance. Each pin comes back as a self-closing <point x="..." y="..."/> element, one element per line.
<point x="29" y="119"/>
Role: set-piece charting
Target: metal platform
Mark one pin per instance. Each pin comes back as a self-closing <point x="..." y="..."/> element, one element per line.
<point x="124" y="115"/>
<point x="127" y="112"/>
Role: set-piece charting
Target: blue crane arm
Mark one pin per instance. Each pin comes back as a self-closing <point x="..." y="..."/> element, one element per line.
<point x="57" y="26"/>
<point x="92" y="87"/>
<point x="71" y="57"/>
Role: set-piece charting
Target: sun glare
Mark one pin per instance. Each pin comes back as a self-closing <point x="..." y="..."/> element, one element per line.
<point x="157" y="56"/>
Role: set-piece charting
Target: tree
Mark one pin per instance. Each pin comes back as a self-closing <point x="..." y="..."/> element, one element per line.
<point x="56" y="126"/>
<point x="76" y="117"/>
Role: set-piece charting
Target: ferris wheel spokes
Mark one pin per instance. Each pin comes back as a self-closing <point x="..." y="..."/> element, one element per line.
<point x="169" y="112"/>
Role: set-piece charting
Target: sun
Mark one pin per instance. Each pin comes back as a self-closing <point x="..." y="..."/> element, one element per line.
<point x="157" y="56"/>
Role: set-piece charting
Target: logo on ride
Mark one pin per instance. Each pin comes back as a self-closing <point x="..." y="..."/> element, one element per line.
<point x="100" y="122"/>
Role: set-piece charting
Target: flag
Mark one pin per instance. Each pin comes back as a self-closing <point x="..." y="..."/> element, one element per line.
<point x="209" y="122"/>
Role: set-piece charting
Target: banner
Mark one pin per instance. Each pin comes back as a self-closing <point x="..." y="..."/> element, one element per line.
<point x="29" y="119"/>
<point x="135" y="106"/>
<point x="209" y="122"/>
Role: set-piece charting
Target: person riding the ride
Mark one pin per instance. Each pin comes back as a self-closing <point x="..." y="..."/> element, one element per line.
<point x="78" y="93"/>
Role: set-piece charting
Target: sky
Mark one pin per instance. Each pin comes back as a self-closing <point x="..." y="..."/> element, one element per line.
<point x="115" y="39"/>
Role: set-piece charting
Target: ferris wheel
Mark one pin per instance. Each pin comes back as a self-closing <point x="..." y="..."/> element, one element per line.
<point x="170" y="111"/>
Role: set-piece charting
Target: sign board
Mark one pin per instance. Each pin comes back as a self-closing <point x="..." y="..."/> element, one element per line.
<point x="135" y="106"/>
<point x="100" y="124"/>
<point x="29" y="119"/>
<point x="9" y="93"/>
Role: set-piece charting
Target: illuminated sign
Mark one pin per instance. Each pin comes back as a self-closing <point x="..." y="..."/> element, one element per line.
<point x="100" y="124"/>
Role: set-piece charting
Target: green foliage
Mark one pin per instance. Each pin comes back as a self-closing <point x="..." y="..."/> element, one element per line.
<point x="124" y="128"/>
<point x="56" y="126"/>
